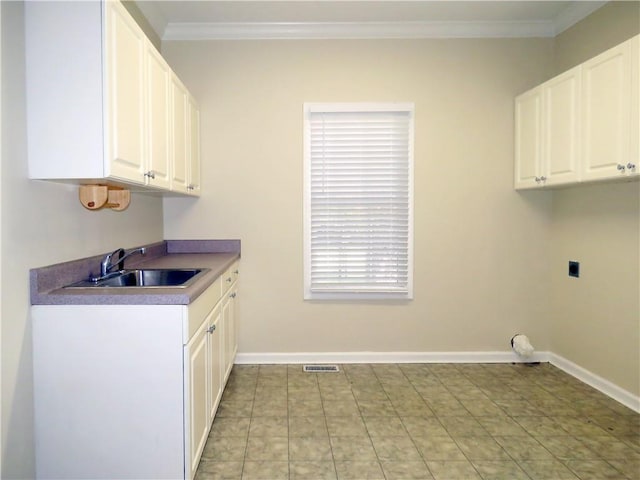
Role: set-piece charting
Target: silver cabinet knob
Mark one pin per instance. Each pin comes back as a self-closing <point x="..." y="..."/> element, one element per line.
<point x="237" y="272"/>
<point x="211" y="329"/>
<point x="537" y="179"/>
<point x="620" y="167"/>
<point x="631" y="166"/>
<point x="543" y="178"/>
<point x="151" y="174"/>
<point x="233" y="295"/>
<point x="229" y="279"/>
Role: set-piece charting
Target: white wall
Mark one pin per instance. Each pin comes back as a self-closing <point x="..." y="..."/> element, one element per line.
<point x="481" y="249"/>
<point x="42" y="224"/>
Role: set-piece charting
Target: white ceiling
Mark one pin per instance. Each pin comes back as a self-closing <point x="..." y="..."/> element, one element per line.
<point x="214" y="19"/>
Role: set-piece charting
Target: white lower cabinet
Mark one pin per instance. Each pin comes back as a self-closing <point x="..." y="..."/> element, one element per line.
<point x="129" y="391"/>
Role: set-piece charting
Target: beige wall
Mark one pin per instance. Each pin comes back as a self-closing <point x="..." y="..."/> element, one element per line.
<point x="42" y="223"/>
<point x="595" y="319"/>
<point x="605" y="28"/>
<point x="481" y="249"/>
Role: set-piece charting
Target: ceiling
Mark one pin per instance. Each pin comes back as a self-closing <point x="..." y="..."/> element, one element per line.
<point x="258" y="19"/>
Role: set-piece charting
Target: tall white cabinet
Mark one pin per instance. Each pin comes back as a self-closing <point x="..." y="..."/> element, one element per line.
<point x="100" y="106"/>
<point x="581" y="125"/>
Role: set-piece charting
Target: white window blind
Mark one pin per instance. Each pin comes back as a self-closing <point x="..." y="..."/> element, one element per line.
<point x="358" y="200"/>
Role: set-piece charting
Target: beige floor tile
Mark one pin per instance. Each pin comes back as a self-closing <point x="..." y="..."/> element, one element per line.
<point x="352" y="449"/>
<point x="395" y="449"/>
<point x="212" y="470"/>
<point x="522" y="448"/>
<point x="230" y="427"/>
<point x="264" y="470"/>
<point x="384" y="426"/>
<point x="438" y="448"/>
<point x="310" y="449"/>
<point x="268" y="427"/>
<point x="308" y="426"/>
<point x="547" y="470"/>
<point x="400" y="470"/>
<point x="359" y="471"/>
<point x="347" y="426"/>
<point x="500" y="470"/>
<point x="272" y="449"/>
<point x="312" y="470"/>
<point x="481" y="448"/>
<point x="230" y="449"/>
<point x="453" y="470"/>
<point x="594" y="470"/>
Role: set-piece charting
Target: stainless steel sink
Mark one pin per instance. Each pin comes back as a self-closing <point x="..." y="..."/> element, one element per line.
<point x="148" y="277"/>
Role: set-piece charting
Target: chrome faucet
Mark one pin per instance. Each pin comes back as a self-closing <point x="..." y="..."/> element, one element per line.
<point x="107" y="265"/>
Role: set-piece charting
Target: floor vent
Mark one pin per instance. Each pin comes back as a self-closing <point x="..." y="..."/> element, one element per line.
<point x="320" y="368"/>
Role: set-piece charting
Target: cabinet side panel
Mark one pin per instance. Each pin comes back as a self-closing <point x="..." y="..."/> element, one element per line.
<point x="64" y="89"/>
<point x="108" y="391"/>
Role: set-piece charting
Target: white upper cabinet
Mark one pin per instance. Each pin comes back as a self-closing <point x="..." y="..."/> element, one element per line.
<point x="125" y="83"/>
<point x="547" y="133"/>
<point x="607" y="90"/>
<point x="159" y="114"/>
<point x="528" y="165"/>
<point x="582" y="125"/>
<point x="99" y="98"/>
<point x="186" y="141"/>
<point x="561" y="135"/>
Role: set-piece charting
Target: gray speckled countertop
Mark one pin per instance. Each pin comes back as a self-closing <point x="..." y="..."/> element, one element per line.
<point x="217" y="255"/>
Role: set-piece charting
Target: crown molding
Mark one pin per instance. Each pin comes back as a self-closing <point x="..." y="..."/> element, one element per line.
<point x="575" y="12"/>
<point x="356" y="30"/>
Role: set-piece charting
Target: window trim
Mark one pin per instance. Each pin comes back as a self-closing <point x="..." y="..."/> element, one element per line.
<point x="309" y="108"/>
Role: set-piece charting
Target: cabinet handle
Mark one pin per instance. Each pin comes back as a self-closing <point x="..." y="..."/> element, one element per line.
<point x="631" y="166"/>
<point x="543" y="178"/>
<point x="211" y="329"/>
<point x="620" y="167"/>
<point x="237" y="272"/>
<point x="191" y="186"/>
<point x="233" y="295"/>
<point x="151" y="174"/>
<point x="537" y="179"/>
<point x="229" y="279"/>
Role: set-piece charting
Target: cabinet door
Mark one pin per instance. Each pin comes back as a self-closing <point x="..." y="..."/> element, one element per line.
<point x="528" y="139"/>
<point x="216" y="352"/>
<point x="606" y="93"/>
<point x="194" y="148"/>
<point x="158" y="124"/>
<point x="230" y="334"/>
<point x="634" y="167"/>
<point x="180" y="150"/>
<point x="197" y="414"/>
<point x="125" y="95"/>
<point x="561" y="135"/>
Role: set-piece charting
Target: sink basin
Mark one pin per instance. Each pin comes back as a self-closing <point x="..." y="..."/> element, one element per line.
<point x="148" y="277"/>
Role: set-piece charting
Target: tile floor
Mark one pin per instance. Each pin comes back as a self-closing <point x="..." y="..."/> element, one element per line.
<point x="427" y="421"/>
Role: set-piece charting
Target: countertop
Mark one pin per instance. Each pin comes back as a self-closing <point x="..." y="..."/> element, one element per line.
<point x="217" y="255"/>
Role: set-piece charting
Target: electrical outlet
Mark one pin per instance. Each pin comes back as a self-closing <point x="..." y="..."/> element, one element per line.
<point x="574" y="269"/>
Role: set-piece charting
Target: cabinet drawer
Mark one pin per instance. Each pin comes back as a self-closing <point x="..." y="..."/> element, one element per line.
<point x="200" y="308"/>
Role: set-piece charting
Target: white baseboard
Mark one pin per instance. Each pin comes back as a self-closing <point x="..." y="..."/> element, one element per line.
<point x="617" y="393"/>
<point x="605" y="386"/>
<point x="386" y="357"/>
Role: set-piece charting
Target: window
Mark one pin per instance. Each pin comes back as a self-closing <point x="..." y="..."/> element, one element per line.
<point x="358" y="201"/>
